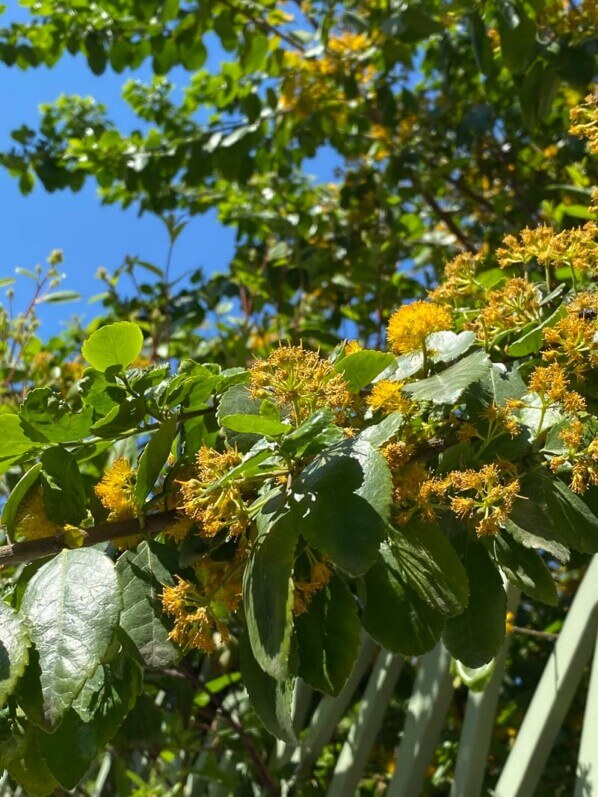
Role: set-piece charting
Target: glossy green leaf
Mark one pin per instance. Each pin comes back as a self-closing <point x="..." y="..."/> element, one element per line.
<point x="14" y="650"/>
<point x="268" y="589"/>
<point x="448" y="386"/>
<point x="143" y="573"/>
<point x="394" y="615"/>
<point x="362" y="367"/>
<point x="63" y="487"/>
<point x="117" y="344"/>
<point x="342" y="502"/>
<point x="429" y="564"/>
<point x="255" y="424"/>
<point x="525" y="569"/>
<point x="153" y="458"/>
<point x="328" y="637"/>
<point x="475" y="636"/>
<point x="71" y="605"/>
<point x="91" y="722"/>
<point x="271" y="699"/>
<point x="46" y="416"/>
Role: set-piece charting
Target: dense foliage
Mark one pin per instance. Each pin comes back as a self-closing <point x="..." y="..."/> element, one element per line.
<point x="397" y="416"/>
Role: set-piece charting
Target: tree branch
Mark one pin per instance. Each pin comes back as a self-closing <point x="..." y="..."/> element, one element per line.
<point x="30" y="550"/>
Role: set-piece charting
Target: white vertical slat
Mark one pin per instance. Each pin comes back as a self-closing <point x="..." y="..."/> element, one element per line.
<point x="427" y="710"/>
<point x="356" y="750"/>
<point x="586" y="784"/>
<point x="554" y="693"/>
<point x="480" y="714"/>
<point x="329" y="712"/>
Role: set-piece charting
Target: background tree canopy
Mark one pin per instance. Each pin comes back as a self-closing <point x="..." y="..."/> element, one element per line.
<point x="198" y="518"/>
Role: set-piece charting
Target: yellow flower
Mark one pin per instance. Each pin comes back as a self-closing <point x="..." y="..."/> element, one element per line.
<point x="195" y="625"/>
<point x="492" y="499"/>
<point x="215" y="509"/>
<point x="509" y="623"/>
<point x="352" y="346"/>
<point x="32" y="522"/>
<point x="459" y="279"/>
<point x="552" y="386"/>
<point x="585" y="115"/>
<point x="584" y="460"/>
<point x="410" y="325"/>
<point x="299" y="381"/>
<point x="573" y="340"/>
<point x="388" y="396"/>
<point x="508" y="308"/>
<point x="116" y="490"/>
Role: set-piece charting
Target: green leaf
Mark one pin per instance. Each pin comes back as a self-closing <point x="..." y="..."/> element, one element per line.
<point x="447" y="346"/>
<point x="362" y="367"/>
<point x="531" y="341"/>
<point x="525" y="569"/>
<point x="573" y="518"/>
<point x="100" y="391"/>
<point x="537" y="91"/>
<point x="517" y="36"/>
<point x="143" y="572"/>
<point x="328" y="638"/>
<point x="381" y="432"/>
<point x="93" y="719"/>
<point x="448" y="386"/>
<point x="48" y="417"/>
<point x="255" y="51"/>
<point x="117" y="344"/>
<point x="122" y="418"/>
<point x="72" y="606"/>
<point x="64" y="491"/>
<point x="14" y="651"/>
<point x="255" y="424"/>
<point x="394" y="615"/>
<point x="153" y="458"/>
<point x="300" y="439"/>
<point x="428" y="562"/>
<point x="18" y="492"/>
<point x="237" y="401"/>
<point x="475" y="636"/>
<point x="13" y="440"/>
<point x="342" y="502"/>
<point x="270" y="698"/>
<point x="268" y="589"/>
<point x="30" y="770"/>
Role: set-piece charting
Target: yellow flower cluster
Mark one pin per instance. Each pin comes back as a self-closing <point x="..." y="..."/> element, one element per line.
<point x="215" y="508"/>
<point x="508" y="308"/>
<point x="116" y="490"/>
<point x="299" y="381"/>
<point x="195" y="624"/>
<point x="410" y="325"/>
<point x="387" y="396"/>
<point x="585" y="115"/>
<point x="552" y="386"/>
<point x="573" y="340"/>
<point x="583" y="459"/>
<point x="576" y="248"/>
<point x="483" y="496"/>
<point x="459" y="279"/>
<point x="305" y="589"/>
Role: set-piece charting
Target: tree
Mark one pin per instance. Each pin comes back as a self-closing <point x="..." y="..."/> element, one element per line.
<point x="176" y="514"/>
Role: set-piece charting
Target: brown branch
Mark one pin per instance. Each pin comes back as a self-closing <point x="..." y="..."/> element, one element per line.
<point x="446" y="217"/>
<point x="30" y="550"/>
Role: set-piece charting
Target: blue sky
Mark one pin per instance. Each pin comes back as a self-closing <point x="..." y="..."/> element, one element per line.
<point x="90" y="234"/>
